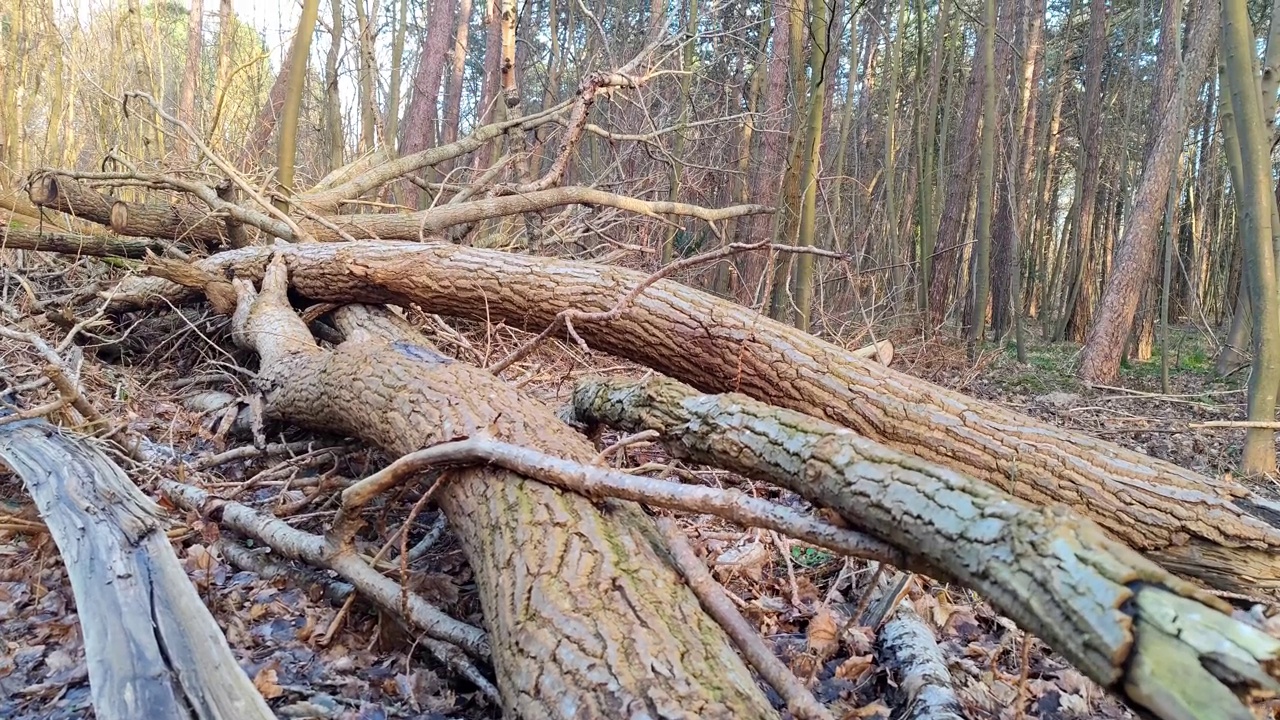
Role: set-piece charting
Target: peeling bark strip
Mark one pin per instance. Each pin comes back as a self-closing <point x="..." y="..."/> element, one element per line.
<point x="152" y="648"/>
<point x="586" y="619"/>
<point x="1056" y="574"/>
<point x="1215" y="530"/>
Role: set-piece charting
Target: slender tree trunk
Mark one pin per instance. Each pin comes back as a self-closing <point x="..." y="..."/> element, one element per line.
<point x="332" y="102"/>
<point x="298" y="54"/>
<point x="191" y="75"/>
<point x="673" y="182"/>
<point x="458" y="58"/>
<point x="986" y="182"/>
<point x="821" y="12"/>
<point x="401" y="28"/>
<point x="365" y="79"/>
<point x="422" y="118"/>
<point x="1256" y="206"/>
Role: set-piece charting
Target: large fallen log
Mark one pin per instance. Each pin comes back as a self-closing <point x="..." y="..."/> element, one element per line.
<point x="1033" y="563"/>
<point x="152" y="648"/>
<point x="585" y="617"/>
<point x="183" y="223"/>
<point x="1215" y="530"/>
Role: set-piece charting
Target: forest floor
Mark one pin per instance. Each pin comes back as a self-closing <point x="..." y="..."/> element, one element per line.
<point x="311" y="659"/>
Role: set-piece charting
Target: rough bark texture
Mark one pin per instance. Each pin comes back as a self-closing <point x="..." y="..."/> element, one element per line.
<point x="175" y="222"/>
<point x="422" y="117"/>
<point x="1215" y="530"/>
<point x="1136" y="256"/>
<point x="1031" y="562"/>
<point x="12" y="238"/>
<point x="586" y="618"/>
<point x="152" y="648"/>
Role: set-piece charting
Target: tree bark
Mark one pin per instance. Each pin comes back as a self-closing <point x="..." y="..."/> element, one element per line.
<point x="1135" y="258"/>
<point x="586" y="618"/>
<point x="1228" y="540"/>
<point x="1029" y="561"/>
<point x="299" y="53"/>
<point x="422" y="117"/>
<point x="1256" y="206"/>
<point x="458" y="63"/>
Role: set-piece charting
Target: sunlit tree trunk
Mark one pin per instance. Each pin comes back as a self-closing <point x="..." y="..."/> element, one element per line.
<point x="1255" y="204"/>
<point x="986" y="181"/>
<point x="365" y="77"/>
<point x="821" y="12"/>
<point x="288" y="135"/>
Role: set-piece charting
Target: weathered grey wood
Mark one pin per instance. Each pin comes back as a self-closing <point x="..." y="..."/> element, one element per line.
<point x="152" y="648"/>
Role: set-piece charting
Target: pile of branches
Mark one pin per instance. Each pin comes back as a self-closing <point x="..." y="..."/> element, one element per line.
<point x="592" y="608"/>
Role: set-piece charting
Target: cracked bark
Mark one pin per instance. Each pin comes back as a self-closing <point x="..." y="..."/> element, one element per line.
<point x="1057" y="574"/>
<point x="1214" y="530"/>
<point x="586" y="618"/>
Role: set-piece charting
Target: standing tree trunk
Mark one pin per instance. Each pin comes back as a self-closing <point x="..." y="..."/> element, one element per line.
<point x="191" y="75"/>
<point x="819" y="69"/>
<point x="422" y="118"/>
<point x="332" y="101"/>
<point x="458" y="60"/>
<point x="1077" y="305"/>
<point x="986" y="182"/>
<point x="401" y="28"/>
<point x="1254" y="203"/>
<point x="690" y="45"/>
<point x="365" y="78"/>
<point x="1135" y="258"/>
<point x="298" y="54"/>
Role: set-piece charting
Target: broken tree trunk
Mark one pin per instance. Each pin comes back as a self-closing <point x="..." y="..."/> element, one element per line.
<point x="172" y="222"/>
<point x="151" y="646"/>
<point x="586" y="618"/>
<point x="1217" y="531"/>
<point x="1031" y="562"/>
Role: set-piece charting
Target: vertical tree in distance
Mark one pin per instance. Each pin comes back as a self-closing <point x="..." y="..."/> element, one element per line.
<point x="820" y="28"/>
<point x="1254" y="202"/>
<point x="986" y="181"/>
<point x="297" y="79"/>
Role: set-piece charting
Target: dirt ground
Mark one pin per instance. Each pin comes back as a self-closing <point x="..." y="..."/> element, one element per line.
<point x="314" y="659"/>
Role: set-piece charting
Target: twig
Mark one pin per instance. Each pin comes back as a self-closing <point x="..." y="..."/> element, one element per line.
<point x="313" y="549"/>
<point x="799" y="700"/>
<point x="595" y="482"/>
<point x="1255" y="424"/>
<point x="642" y="437"/>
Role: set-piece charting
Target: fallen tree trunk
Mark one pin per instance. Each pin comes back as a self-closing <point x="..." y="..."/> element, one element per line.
<point x="1031" y="562"/>
<point x="186" y="223"/>
<point x="13" y="238"/>
<point x="1216" y="531"/>
<point x="171" y="222"/>
<point x="910" y="652"/>
<point x="411" y="226"/>
<point x="586" y="619"/>
<point x="151" y="646"/>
